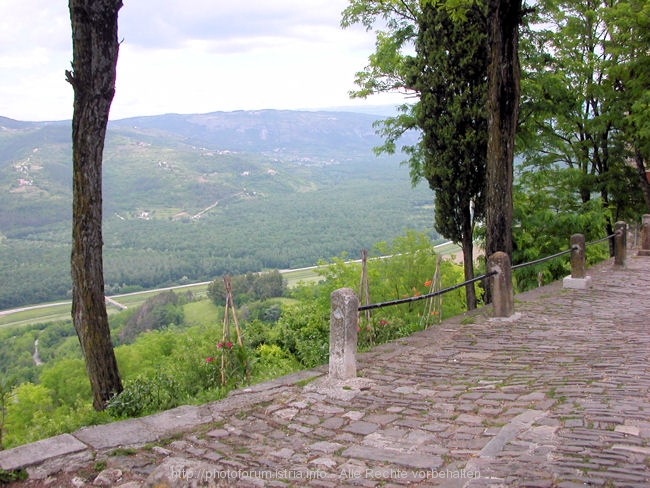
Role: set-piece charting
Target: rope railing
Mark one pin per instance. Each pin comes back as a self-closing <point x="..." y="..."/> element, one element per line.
<point x="562" y="253"/>
<point x="618" y="232"/>
<point x="547" y="258"/>
<point x="425" y="296"/>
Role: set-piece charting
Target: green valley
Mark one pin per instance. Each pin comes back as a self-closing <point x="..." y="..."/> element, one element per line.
<point x="189" y="198"/>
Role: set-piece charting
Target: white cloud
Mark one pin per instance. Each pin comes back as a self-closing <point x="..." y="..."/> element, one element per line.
<point x="187" y="56"/>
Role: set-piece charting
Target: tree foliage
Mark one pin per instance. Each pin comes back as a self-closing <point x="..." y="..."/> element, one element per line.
<point x="547" y="219"/>
<point x="248" y="287"/>
<point x="630" y="37"/>
<point x="450" y="74"/>
<point x="143" y="254"/>
<point x="160" y="311"/>
<point x="447" y="76"/>
<point x="577" y="108"/>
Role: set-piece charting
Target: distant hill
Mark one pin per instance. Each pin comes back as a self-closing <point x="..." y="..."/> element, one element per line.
<point x="314" y="134"/>
<point x="188" y="197"/>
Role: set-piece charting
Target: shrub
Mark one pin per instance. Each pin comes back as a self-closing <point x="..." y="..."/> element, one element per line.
<point x="304" y="332"/>
<point x="144" y="395"/>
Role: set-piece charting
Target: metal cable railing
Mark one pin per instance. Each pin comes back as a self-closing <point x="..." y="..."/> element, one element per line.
<point x="602" y="239"/>
<point x="561" y="253"/>
<point x="428" y="295"/>
<point x="547" y="258"/>
<point x="400" y="301"/>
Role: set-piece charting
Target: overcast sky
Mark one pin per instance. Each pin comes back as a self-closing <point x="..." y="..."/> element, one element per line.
<point x="189" y="56"/>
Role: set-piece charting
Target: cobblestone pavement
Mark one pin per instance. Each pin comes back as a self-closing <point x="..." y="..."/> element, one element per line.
<point x="555" y="396"/>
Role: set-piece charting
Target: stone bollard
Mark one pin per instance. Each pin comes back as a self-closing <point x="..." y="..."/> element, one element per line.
<point x="620" y="244"/>
<point x="645" y="236"/>
<point x="343" y="334"/>
<point x="503" y="297"/>
<point x="578" y="279"/>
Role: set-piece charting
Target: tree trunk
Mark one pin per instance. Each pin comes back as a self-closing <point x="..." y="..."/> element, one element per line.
<point x="468" y="259"/>
<point x="95" y="48"/>
<point x="503" y="112"/>
<point x="643" y="178"/>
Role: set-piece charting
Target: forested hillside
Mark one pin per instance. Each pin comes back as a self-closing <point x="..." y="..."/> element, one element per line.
<point x="191" y="197"/>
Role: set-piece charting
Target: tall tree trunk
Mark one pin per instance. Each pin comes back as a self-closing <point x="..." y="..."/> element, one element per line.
<point x="503" y="112"/>
<point x="95" y="48"/>
<point x="468" y="259"/>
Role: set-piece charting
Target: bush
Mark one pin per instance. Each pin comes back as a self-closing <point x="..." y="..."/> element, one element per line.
<point x="274" y="362"/>
<point x="144" y="395"/>
<point x="304" y="332"/>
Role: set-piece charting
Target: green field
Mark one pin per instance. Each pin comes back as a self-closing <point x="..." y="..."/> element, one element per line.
<point x="53" y="312"/>
<point x="57" y="311"/>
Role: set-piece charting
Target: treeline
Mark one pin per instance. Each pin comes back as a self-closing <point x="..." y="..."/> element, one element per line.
<point x="247" y="288"/>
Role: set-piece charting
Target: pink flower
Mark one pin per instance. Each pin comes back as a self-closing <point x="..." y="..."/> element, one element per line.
<point x="383" y="322"/>
<point x="208" y="359"/>
<point x="220" y="345"/>
<point x="229" y="345"/>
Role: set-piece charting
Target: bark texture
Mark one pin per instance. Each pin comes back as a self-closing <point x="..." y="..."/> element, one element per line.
<point x="503" y="108"/>
<point x="95" y="49"/>
<point x="468" y="259"/>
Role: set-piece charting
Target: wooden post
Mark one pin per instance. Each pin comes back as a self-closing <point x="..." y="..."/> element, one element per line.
<point x="225" y="336"/>
<point x="364" y="289"/>
<point x="645" y="236"/>
<point x="433" y="307"/>
<point x="503" y="298"/>
<point x="620" y="244"/>
<point x="344" y="317"/>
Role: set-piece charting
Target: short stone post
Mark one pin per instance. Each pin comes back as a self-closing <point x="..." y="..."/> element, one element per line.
<point x="503" y="297"/>
<point x="645" y="236"/>
<point x="620" y="244"/>
<point x="578" y="279"/>
<point x="344" y="317"/>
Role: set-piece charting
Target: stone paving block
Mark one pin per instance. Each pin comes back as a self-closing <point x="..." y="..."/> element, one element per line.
<point x="361" y="427"/>
<point x="470" y="419"/>
<point x="381" y="419"/>
<point x="326" y="447"/>
<point x="627" y="429"/>
<point x="409" y="460"/>
<point x="40" y="451"/>
<point x="123" y="433"/>
<point x="632" y="448"/>
<point x="332" y="423"/>
<point x="178" y="419"/>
